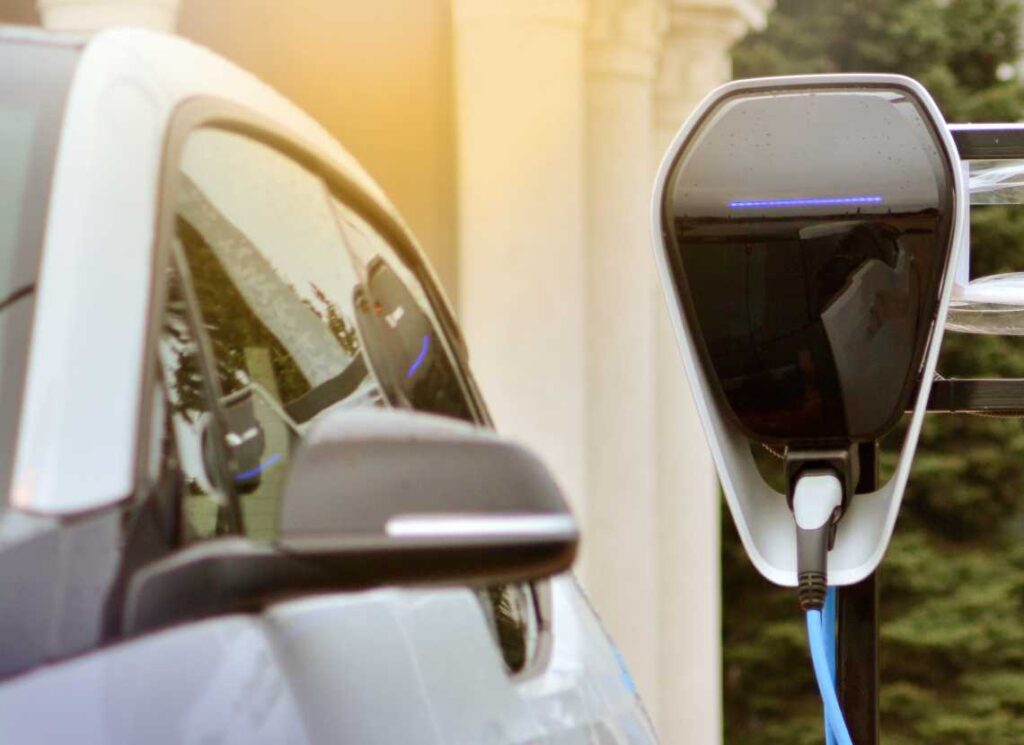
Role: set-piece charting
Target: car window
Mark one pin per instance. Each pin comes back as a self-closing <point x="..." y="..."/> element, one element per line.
<point x="305" y="307"/>
<point x="402" y="326"/>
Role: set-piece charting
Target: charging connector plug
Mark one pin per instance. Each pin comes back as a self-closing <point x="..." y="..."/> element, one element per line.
<point x="817" y="504"/>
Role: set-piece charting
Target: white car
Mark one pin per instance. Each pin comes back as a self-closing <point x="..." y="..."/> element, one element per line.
<point x="241" y="506"/>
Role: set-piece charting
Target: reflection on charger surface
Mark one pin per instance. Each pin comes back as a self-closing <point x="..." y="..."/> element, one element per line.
<point x="813" y="288"/>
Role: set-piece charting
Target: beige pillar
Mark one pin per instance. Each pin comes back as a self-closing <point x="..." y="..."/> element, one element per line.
<point x="695" y="59"/>
<point x="522" y="279"/>
<point x="93" y="15"/>
<point x="620" y="562"/>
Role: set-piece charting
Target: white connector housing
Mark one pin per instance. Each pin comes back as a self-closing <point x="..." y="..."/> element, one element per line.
<point x="818" y="494"/>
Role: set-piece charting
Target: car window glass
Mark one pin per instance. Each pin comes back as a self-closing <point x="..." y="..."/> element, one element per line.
<point x="307" y="309"/>
<point x="398" y="320"/>
<point x="275" y="290"/>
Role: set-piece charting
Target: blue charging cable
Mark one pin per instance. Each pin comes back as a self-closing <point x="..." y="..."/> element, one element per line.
<point x="817" y="500"/>
<point x="823" y="659"/>
<point x="828" y="625"/>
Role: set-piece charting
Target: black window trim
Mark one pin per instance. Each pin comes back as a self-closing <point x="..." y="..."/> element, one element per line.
<point x="211" y="385"/>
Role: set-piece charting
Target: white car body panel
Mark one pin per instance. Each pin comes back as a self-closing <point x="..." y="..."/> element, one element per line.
<point x="388" y="666"/>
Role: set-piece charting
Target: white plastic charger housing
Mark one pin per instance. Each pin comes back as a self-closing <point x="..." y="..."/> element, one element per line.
<point x="761" y="514"/>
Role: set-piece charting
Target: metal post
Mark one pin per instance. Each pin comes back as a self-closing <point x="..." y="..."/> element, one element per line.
<point x="857" y="652"/>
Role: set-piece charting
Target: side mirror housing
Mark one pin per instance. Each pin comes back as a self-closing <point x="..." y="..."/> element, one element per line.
<point x="373" y="498"/>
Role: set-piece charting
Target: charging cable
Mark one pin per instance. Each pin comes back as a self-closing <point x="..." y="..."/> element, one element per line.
<point x="834" y="721"/>
<point x="817" y="501"/>
<point x="828" y="625"/>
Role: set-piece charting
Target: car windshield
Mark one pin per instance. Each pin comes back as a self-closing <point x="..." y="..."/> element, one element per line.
<point x="34" y="80"/>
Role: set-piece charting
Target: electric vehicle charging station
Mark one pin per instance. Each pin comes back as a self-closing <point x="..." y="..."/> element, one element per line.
<point x="812" y="237"/>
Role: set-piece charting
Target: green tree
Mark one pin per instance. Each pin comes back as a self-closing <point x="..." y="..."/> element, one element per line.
<point x="952" y="638"/>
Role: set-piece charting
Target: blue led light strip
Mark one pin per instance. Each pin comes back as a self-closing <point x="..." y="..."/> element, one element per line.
<point x="253" y="472"/>
<point x="424" y="348"/>
<point x="751" y="204"/>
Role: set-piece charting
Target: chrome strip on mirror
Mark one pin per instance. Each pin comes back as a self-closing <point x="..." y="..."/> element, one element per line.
<point x="439" y="525"/>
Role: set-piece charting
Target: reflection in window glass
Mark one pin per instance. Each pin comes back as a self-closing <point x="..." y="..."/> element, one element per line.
<point x="275" y="289"/>
<point x="298" y="322"/>
<point x="400" y="328"/>
<point x="204" y="511"/>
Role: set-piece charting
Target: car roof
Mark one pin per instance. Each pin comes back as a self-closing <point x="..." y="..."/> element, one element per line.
<point x="79" y="424"/>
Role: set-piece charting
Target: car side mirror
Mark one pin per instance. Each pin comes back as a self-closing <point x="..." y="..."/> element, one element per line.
<point x="376" y="497"/>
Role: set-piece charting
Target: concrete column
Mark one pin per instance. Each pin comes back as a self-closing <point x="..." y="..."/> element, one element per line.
<point x="620" y="563"/>
<point x="695" y="58"/>
<point x="93" y="15"/>
<point x="520" y="191"/>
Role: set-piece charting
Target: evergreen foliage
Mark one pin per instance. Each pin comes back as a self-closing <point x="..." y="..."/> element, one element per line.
<point x="952" y="637"/>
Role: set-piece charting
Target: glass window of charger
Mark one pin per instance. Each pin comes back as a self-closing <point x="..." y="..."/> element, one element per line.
<point x="808" y="238"/>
